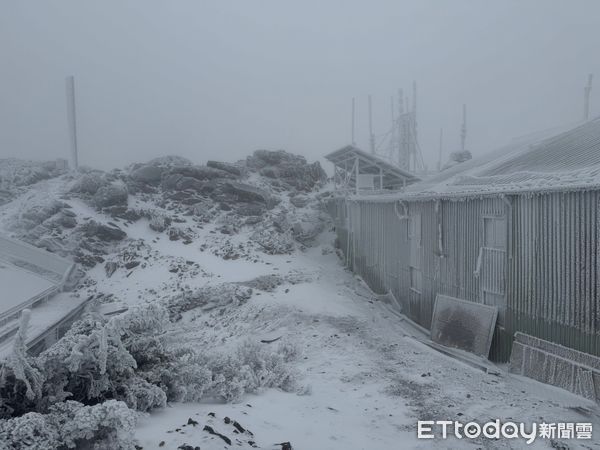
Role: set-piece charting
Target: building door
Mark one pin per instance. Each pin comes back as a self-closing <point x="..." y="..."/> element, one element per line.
<point x="492" y="264"/>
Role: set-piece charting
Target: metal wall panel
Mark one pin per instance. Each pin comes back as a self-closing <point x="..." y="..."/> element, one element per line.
<point x="549" y="270"/>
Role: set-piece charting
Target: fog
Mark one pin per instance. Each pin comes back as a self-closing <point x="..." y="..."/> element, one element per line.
<point x="218" y="79"/>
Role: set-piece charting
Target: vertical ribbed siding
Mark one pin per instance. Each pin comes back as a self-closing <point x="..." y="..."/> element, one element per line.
<point x="551" y="278"/>
<point x="554" y="294"/>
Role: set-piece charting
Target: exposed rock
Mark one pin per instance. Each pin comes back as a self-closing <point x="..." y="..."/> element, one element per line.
<point x="66" y="220"/>
<point x="210" y="430"/>
<point x="169" y="161"/>
<point x="38" y="214"/>
<point x="103" y="232"/>
<point x="185" y="183"/>
<point x="150" y="174"/>
<point x="110" y="195"/>
<point x="110" y="267"/>
<point x="227" y="167"/>
<point x="307" y="227"/>
<point x="287" y="170"/>
<point x="299" y="201"/>
<point x="250" y="210"/>
<point x="5" y="197"/>
<point x="252" y="220"/>
<point x="263" y="158"/>
<point x="179" y="182"/>
<point x="131" y="264"/>
<point x="246" y="193"/>
<point x="200" y="172"/>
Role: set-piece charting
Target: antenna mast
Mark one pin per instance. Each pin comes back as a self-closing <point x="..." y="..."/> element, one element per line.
<point x="439" y="164"/>
<point x="413" y="129"/>
<point x="403" y="134"/>
<point x="586" y="92"/>
<point x="371" y="135"/>
<point x="72" y="120"/>
<point x="463" y="129"/>
<point x="353" y="112"/>
<point x="393" y="131"/>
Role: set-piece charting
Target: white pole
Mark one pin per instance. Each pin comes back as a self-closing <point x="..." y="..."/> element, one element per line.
<point x="463" y="130"/>
<point x="586" y="92"/>
<point x="353" y="112"/>
<point x="356" y="172"/>
<point x="371" y="136"/>
<point x="439" y="164"/>
<point x="72" y="120"/>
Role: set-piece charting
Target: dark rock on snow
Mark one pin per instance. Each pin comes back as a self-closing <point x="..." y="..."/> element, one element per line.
<point x="103" y="232"/>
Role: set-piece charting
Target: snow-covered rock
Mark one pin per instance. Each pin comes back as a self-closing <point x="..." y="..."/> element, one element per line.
<point x="114" y="194"/>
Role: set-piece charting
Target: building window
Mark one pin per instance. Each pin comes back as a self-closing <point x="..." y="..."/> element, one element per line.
<point x="416" y="279"/>
<point x="494" y="232"/>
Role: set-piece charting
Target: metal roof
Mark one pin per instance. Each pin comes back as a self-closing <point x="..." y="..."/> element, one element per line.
<point x="371" y="164"/>
<point x="554" y="160"/>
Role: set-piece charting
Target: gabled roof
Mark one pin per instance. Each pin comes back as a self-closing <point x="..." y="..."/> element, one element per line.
<point x="566" y="159"/>
<point x="371" y="164"/>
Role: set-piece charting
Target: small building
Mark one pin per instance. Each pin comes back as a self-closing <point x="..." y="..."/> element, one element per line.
<point x="518" y="229"/>
<point x="359" y="172"/>
<point x="32" y="278"/>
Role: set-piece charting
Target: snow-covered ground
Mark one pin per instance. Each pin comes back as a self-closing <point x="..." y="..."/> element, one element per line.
<point x="363" y="379"/>
<point x="367" y="382"/>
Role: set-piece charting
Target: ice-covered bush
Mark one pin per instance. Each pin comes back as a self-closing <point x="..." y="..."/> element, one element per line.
<point x="29" y="431"/>
<point x="209" y="297"/>
<point x="250" y="368"/>
<point x="83" y="390"/>
<point x="70" y="424"/>
<point x="108" y="425"/>
<point x="159" y="222"/>
<point x="182" y="374"/>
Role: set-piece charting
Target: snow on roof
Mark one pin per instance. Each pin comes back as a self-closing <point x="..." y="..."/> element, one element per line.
<point x="554" y="160"/>
<point x="369" y="163"/>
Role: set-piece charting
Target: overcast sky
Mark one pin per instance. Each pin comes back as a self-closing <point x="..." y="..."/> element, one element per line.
<point x="218" y="79"/>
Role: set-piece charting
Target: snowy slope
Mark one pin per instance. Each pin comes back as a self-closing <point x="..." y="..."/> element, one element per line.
<point x="363" y="380"/>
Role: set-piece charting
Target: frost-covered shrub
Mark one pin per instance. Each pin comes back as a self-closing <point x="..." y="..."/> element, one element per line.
<point x="208" y="298"/>
<point x="20" y="363"/>
<point x="182" y="375"/>
<point x="138" y="394"/>
<point x="89" y="363"/>
<point x="159" y="222"/>
<point x="250" y="368"/>
<point x="274" y="242"/>
<point x="82" y="391"/>
<point x="107" y="425"/>
<point x="88" y="183"/>
<point x="30" y="431"/>
<point x="71" y="425"/>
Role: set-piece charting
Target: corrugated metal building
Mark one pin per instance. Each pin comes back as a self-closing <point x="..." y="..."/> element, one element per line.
<point x="517" y="229"/>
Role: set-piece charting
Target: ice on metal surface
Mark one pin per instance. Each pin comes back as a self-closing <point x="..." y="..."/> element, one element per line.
<point x="463" y="324"/>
